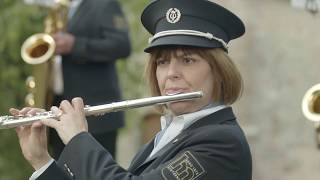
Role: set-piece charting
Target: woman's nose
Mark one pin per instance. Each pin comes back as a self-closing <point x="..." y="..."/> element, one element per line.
<point x="174" y="71"/>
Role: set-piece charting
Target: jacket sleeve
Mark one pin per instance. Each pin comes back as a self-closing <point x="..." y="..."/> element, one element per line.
<point x="112" y="39"/>
<point x="54" y="172"/>
<point x="218" y="158"/>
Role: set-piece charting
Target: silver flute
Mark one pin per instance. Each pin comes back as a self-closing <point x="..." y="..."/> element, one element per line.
<point x="7" y="122"/>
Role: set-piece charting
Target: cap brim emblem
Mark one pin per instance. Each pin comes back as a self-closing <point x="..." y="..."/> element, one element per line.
<point x="173" y="15"/>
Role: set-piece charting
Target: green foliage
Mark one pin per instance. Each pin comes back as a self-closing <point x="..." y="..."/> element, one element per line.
<point x="133" y="10"/>
<point x="19" y="21"/>
<point x="131" y="71"/>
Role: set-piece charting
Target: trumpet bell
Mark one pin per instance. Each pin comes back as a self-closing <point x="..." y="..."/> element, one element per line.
<point x="311" y="103"/>
<point x="38" y="48"/>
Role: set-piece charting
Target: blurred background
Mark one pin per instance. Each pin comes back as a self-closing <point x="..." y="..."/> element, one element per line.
<point x="279" y="58"/>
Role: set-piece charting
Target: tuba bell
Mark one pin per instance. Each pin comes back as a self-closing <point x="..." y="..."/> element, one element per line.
<point x="311" y="103"/>
<point x="311" y="108"/>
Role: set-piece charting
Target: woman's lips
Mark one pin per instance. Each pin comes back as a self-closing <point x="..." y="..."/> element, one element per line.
<point x="172" y="91"/>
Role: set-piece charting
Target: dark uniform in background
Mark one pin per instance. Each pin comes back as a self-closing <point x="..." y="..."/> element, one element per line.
<point x="212" y="148"/>
<point x="89" y="70"/>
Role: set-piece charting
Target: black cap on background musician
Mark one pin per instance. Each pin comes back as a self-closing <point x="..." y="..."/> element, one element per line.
<point x="197" y="23"/>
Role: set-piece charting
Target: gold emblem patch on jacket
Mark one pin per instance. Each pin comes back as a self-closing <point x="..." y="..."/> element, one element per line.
<point x="185" y="167"/>
<point x="120" y="22"/>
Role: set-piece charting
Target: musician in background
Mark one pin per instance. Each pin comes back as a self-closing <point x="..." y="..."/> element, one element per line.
<point x="97" y="36"/>
<point x="199" y="139"/>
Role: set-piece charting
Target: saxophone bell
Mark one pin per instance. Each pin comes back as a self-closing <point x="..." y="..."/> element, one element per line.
<point x="38" y="48"/>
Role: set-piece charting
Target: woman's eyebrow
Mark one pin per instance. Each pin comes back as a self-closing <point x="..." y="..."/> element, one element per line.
<point x="186" y="56"/>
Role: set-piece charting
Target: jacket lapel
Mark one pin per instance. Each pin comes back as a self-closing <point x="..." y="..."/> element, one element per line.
<point x="167" y="147"/>
<point x="141" y="156"/>
<point x="218" y="117"/>
<point x="215" y="118"/>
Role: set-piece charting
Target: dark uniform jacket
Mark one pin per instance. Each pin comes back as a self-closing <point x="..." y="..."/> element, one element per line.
<point x="213" y="148"/>
<point x="89" y="71"/>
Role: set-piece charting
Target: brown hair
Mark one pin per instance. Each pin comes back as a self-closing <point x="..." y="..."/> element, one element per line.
<point x="227" y="75"/>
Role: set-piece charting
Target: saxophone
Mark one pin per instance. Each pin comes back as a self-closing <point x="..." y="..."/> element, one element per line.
<point x="38" y="50"/>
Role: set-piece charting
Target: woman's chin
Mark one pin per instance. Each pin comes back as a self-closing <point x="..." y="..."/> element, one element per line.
<point x="179" y="108"/>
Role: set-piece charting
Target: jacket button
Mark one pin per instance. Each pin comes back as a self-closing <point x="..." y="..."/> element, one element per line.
<point x="174" y="141"/>
<point x="68" y="169"/>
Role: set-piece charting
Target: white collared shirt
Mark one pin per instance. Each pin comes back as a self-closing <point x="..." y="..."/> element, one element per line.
<point x="172" y="126"/>
<point x="57" y="61"/>
<point x="38" y="172"/>
<point x="74" y="4"/>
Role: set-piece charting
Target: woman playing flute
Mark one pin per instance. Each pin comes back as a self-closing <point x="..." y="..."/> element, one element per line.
<point x="199" y="139"/>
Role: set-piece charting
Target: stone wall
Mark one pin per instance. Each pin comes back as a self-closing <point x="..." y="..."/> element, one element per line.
<point x="279" y="60"/>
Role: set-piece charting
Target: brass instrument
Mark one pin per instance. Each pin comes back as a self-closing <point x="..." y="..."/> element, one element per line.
<point x="311" y="108"/>
<point x="311" y="103"/>
<point x="15" y="121"/>
<point x="38" y="49"/>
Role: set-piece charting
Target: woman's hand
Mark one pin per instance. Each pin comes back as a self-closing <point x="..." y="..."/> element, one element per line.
<point x="72" y="119"/>
<point x="32" y="139"/>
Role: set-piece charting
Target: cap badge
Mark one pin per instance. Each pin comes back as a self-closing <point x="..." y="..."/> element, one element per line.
<point x="173" y="15"/>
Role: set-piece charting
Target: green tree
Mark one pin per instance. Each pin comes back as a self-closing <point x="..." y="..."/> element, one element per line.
<point x="131" y="71"/>
<point x="19" y="21"/>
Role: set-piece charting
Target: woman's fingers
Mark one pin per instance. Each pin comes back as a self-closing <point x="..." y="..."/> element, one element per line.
<point x="55" y="110"/>
<point x="53" y="123"/>
<point x="66" y="106"/>
<point x="14" y="112"/>
<point x="34" y="111"/>
<point x="19" y="130"/>
<point x="78" y="105"/>
<point x="24" y="110"/>
<point x="37" y="124"/>
<point x="37" y="129"/>
<point x="22" y="131"/>
<point x="50" y="122"/>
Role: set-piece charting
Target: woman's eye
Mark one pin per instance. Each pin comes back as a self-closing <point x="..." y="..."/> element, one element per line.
<point x="161" y="61"/>
<point x="188" y="60"/>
